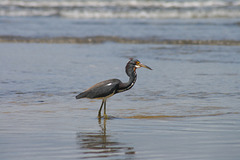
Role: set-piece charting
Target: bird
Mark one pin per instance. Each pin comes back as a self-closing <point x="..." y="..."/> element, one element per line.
<point x="105" y="89"/>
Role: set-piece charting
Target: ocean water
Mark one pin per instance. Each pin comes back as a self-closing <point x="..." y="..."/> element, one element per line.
<point x="187" y="107"/>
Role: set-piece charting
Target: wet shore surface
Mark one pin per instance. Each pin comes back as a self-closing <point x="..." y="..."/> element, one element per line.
<point x="103" y="39"/>
<point x="187" y="107"/>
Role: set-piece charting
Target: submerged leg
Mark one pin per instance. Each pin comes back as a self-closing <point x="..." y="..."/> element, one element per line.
<point x="99" y="112"/>
<point x="105" y="109"/>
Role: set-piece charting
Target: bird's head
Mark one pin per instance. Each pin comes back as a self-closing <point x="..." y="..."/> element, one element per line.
<point x="137" y="64"/>
<point x="133" y="64"/>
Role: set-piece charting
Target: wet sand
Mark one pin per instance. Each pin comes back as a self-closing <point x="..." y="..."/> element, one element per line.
<point x="103" y="39"/>
<point x="187" y="107"/>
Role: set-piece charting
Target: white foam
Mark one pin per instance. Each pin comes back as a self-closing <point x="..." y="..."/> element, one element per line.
<point x="122" y="9"/>
<point x="119" y="3"/>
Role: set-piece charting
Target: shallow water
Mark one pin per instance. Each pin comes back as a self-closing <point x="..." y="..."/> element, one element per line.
<point x="187" y="107"/>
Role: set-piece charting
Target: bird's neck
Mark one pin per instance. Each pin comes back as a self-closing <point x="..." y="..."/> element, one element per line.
<point x="128" y="85"/>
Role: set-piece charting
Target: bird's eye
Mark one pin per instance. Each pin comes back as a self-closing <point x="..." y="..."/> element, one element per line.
<point x="137" y="63"/>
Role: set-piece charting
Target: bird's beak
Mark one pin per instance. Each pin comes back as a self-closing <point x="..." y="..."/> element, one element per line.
<point x="145" y="66"/>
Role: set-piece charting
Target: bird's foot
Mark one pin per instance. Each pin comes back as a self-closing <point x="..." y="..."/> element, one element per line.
<point x="105" y="116"/>
<point x="99" y="115"/>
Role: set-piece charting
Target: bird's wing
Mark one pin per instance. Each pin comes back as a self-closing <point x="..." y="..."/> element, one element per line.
<point x="103" y="89"/>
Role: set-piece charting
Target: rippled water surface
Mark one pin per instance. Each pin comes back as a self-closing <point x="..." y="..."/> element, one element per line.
<point x="187" y="107"/>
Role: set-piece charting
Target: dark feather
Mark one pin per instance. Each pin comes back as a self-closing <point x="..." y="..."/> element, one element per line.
<point x="101" y="89"/>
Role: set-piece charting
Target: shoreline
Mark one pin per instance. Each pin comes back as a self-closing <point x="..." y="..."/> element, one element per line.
<point x="115" y="39"/>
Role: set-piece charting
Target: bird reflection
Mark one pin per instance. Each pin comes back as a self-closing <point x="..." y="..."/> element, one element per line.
<point x="100" y="144"/>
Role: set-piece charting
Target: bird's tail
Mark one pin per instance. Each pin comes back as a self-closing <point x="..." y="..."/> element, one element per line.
<point x="81" y="95"/>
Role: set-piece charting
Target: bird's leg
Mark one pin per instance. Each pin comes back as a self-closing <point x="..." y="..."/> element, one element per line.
<point x="105" y="109"/>
<point x="99" y="112"/>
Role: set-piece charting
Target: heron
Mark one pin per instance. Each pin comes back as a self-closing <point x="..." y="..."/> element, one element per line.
<point x="105" y="89"/>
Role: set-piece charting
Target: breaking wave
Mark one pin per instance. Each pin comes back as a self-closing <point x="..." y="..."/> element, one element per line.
<point x="122" y="9"/>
